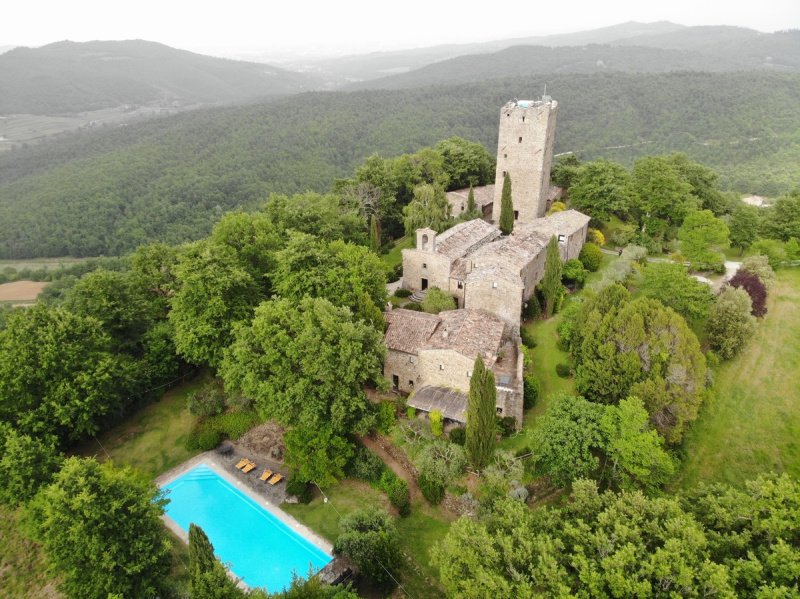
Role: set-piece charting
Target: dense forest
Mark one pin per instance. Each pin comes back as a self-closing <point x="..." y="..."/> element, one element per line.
<point x="75" y="77"/>
<point x="106" y="192"/>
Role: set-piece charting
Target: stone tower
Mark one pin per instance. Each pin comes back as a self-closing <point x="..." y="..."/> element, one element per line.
<point x="525" y="152"/>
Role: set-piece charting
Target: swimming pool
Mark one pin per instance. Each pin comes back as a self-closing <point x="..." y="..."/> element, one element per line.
<point x="258" y="547"/>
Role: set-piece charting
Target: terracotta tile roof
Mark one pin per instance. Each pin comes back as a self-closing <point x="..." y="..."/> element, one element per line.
<point x="451" y="403"/>
<point x="469" y="332"/>
<point x="408" y="331"/>
<point x="460" y="240"/>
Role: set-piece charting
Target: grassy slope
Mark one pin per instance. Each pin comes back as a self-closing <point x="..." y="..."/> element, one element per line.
<point x="753" y="423"/>
<point x="23" y="569"/>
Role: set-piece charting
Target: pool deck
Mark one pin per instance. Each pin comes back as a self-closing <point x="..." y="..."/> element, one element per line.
<point x="224" y="466"/>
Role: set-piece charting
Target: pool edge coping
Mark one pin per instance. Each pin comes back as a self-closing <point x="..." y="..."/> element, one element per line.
<point x="213" y="461"/>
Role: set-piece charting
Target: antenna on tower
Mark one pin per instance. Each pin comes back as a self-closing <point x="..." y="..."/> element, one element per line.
<point x="545" y="97"/>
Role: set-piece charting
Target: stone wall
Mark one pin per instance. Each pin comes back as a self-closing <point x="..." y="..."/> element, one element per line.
<point x="405" y="367"/>
<point x="504" y="300"/>
<point x="445" y="368"/>
<point x="525" y="152"/>
<point x="418" y="265"/>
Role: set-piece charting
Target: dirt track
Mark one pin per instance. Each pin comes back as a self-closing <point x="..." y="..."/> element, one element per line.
<point x="21" y="291"/>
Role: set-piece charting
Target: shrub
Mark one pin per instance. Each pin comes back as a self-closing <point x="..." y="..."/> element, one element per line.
<point x="531" y="390"/>
<point x="772" y="249"/>
<point x="623" y="235"/>
<point x="432" y="489"/>
<point x="590" y="257"/>
<point x="385" y="416"/>
<point x="436" y="423"/>
<point x="365" y="465"/>
<point x="411" y="412"/>
<point x="396" y="490"/>
<point x="203" y="438"/>
<point x="528" y="340"/>
<point x="402" y="293"/>
<point x="507" y="425"/>
<point x="413" y="306"/>
<point x="563" y="370"/>
<point x="233" y="424"/>
<point x="730" y="324"/>
<point x="522" y="451"/>
<point x="437" y="300"/>
<point x="574" y="273"/>
<point x="533" y="308"/>
<point x="755" y="289"/>
<point x="759" y="266"/>
<point x="558" y="207"/>
<point x="458" y="435"/>
<point x="300" y="489"/>
<point x="208" y="400"/>
<point x="596" y="236"/>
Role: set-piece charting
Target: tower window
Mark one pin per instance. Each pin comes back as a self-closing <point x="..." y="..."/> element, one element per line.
<point x="523" y="119"/>
<point x="460" y="285"/>
<point x="441" y="366"/>
<point x="424" y="265"/>
<point x="520" y="140"/>
<point x="516" y="214"/>
<point x="562" y="239"/>
<point x="505" y="155"/>
<point x="505" y="173"/>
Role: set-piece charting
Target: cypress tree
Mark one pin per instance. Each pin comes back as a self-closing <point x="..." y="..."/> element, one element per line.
<point x="201" y="551"/>
<point x="551" y="283"/>
<point x="374" y="234"/>
<point x="480" y="436"/>
<point x="471" y="201"/>
<point x="506" y="207"/>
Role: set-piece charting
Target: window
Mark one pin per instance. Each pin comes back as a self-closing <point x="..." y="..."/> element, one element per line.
<point x="494" y="285"/>
<point x="562" y="239"/>
<point x="411" y="384"/>
<point x="520" y="139"/>
<point x="424" y="265"/>
<point x="460" y="285"/>
<point x="395" y="381"/>
<point x="516" y="214"/>
<point x="505" y="173"/>
<point x="523" y="119"/>
<point x="500" y="411"/>
<point x="441" y="366"/>
<point x="505" y="155"/>
<point x="462" y="207"/>
<point x="469" y="373"/>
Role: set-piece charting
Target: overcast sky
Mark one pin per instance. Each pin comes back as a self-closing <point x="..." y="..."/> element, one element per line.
<point x="314" y="26"/>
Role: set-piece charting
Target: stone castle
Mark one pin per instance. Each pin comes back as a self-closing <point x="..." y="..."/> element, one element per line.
<point x="490" y="275"/>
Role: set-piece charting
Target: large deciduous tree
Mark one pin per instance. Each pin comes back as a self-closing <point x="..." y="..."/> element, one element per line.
<point x="317" y="454"/>
<point x="754" y="287"/>
<point x="730" y="324"/>
<point x="305" y="363"/>
<point x="626" y="347"/>
<point x="635" y="452"/>
<point x="26" y="463"/>
<point x="702" y="238"/>
<point x="325" y="216"/>
<point x="480" y="439"/>
<point x="601" y="189"/>
<point x="670" y="284"/>
<point x="568" y="438"/>
<point x="345" y="274"/>
<point x="661" y="198"/>
<point x="58" y="374"/>
<point x="102" y="531"/>
<point x="782" y="220"/>
<point x="743" y="224"/>
<point x="429" y="208"/>
<point x="466" y="163"/>
<point x="369" y="537"/>
<point x="506" y="222"/>
<point x="551" y="282"/>
<point x="215" y="293"/>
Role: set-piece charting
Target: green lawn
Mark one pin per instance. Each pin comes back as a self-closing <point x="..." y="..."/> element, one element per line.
<point x="23" y="569"/>
<point x="418" y="532"/>
<point x="752" y="424"/>
<point x="394" y="256"/>
<point x="153" y="439"/>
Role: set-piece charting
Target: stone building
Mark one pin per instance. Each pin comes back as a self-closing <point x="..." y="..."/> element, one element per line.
<point x="525" y="152"/>
<point x="485" y="270"/>
<point x="484" y="199"/>
<point x="432" y="356"/>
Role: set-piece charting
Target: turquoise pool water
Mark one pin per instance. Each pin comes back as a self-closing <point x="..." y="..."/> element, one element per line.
<point x="258" y="547"/>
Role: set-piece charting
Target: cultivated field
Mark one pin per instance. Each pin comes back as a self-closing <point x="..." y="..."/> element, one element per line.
<point x="40" y="263"/>
<point x="752" y="425"/>
<point x="21" y="291"/>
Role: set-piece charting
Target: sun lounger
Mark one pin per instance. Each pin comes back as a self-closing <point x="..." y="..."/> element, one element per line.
<point x="242" y="463"/>
<point x="249" y="467"/>
<point x="266" y="474"/>
<point x="275" y="479"/>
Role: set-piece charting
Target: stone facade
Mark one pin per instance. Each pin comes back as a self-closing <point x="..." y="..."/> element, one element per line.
<point x="525" y="152"/>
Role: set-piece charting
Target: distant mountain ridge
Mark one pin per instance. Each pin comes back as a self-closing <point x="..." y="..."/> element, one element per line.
<point x="68" y="77"/>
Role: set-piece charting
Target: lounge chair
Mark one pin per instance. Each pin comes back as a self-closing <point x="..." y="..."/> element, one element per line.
<point x="242" y="463"/>
<point x="275" y="479"/>
<point x="251" y="466"/>
<point x="266" y="474"/>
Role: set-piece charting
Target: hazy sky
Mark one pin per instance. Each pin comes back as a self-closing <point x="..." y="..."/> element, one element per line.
<point x="313" y="26"/>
